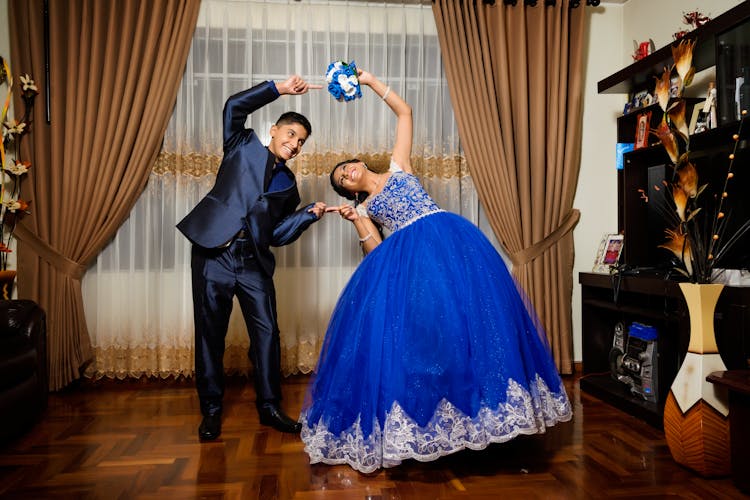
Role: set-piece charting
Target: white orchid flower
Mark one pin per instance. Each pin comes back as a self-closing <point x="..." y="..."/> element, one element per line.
<point x="16" y="167"/>
<point x="13" y="127"/>
<point x="28" y="83"/>
<point x="12" y="205"/>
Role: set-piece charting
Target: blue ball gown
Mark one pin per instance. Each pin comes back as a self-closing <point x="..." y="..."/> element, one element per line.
<point x="430" y="348"/>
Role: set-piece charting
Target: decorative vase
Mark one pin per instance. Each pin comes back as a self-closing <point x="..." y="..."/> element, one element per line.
<point x="696" y="423"/>
<point x="7" y="279"/>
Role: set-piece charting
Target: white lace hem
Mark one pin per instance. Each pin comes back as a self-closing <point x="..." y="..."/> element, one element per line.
<point x="447" y="432"/>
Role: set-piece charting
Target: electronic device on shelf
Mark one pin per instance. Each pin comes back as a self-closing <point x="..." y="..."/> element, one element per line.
<point x="633" y="359"/>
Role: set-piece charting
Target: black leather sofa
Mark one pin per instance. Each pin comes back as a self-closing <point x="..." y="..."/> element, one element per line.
<point x="23" y="366"/>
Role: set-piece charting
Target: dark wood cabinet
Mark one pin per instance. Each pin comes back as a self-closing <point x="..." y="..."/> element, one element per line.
<point x="643" y="199"/>
<point x="723" y="43"/>
<point x="608" y="300"/>
<point x="646" y="289"/>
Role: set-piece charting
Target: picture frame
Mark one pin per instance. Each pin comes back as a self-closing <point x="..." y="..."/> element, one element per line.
<point x="643" y="123"/>
<point x="674" y="86"/>
<point x="697" y="125"/>
<point x="610" y="250"/>
<point x="640" y="100"/>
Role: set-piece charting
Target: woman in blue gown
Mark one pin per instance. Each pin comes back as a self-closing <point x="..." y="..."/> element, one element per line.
<point x="431" y="348"/>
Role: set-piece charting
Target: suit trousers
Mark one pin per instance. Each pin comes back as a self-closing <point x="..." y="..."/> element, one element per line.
<point x="218" y="274"/>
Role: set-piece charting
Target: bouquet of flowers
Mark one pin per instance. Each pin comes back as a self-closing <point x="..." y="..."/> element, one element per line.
<point x="342" y="80"/>
<point x="697" y="237"/>
<point x="13" y="168"/>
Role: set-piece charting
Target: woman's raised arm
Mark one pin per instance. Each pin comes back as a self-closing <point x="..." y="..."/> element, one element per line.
<point x="404" y="125"/>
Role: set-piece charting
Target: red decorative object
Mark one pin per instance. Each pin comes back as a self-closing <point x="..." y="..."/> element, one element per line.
<point x="642" y="129"/>
<point x="643" y="49"/>
<point x="694" y="19"/>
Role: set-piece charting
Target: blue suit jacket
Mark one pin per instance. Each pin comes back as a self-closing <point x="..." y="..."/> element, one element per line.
<point x="239" y="199"/>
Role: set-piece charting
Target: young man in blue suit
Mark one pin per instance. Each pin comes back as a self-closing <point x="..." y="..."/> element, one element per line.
<point x="252" y="206"/>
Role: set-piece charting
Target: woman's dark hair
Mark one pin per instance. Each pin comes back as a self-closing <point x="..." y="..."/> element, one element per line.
<point x="345" y="192"/>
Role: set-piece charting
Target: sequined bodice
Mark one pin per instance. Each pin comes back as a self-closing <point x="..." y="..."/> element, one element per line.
<point x="402" y="201"/>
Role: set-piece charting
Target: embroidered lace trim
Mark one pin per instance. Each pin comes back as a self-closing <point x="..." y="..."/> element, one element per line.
<point x="121" y="362"/>
<point x="448" y="431"/>
<point x="421" y="216"/>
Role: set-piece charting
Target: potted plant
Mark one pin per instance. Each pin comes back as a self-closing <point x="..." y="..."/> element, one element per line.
<point x="696" y="426"/>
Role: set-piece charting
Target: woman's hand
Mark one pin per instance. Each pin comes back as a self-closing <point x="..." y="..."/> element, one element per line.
<point x="347" y="212"/>
<point x="365" y="78"/>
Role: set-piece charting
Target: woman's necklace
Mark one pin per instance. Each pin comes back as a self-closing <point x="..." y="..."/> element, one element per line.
<point x="378" y="181"/>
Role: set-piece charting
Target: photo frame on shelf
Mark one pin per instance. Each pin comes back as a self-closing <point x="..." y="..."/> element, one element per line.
<point x="640" y="100"/>
<point x="610" y="249"/>
<point x="643" y="123"/>
<point x="674" y="86"/>
<point x="698" y="119"/>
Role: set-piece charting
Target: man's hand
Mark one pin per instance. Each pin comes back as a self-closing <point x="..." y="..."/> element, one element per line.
<point x="319" y="209"/>
<point x="295" y="85"/>
<point x="347" y="212"/>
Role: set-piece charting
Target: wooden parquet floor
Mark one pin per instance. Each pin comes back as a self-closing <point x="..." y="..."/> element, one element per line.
<point x="138" y="439"/>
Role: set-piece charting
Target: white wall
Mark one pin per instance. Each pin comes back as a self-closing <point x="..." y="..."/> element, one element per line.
<point x="4" y="36"/>
<point x="596" y="196"/>
<point x="660" y="19"/>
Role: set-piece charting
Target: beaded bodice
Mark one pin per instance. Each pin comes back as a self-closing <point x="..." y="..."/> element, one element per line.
<point x="402" y="201"/>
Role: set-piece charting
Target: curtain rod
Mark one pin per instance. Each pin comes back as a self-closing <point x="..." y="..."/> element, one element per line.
<point x="547" y="3"/>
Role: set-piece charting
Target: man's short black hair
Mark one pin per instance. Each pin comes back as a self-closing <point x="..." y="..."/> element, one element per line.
<point x="291" y="117"/>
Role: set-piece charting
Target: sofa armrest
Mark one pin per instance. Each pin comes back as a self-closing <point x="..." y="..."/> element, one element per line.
<point x="26" y="318"/>
<point x="19" y="316"/>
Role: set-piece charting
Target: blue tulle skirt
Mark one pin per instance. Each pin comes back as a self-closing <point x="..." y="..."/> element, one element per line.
<point x="430" y="350"/>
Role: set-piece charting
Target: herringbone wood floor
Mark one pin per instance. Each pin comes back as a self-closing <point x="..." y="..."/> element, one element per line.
<point x="138" y="439"/>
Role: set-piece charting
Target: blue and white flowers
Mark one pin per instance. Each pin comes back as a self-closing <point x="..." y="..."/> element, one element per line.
<point x="343" y="83"/>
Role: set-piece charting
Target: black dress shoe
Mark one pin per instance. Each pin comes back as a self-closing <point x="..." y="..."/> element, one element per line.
<point x="210" y="428"/>
<point x="270" y="414"/>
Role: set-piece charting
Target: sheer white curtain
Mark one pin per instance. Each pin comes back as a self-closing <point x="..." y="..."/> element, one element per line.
<point x="137" y="294"/>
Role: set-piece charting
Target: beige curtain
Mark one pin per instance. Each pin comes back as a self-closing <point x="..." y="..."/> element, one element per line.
<point x="114" y="70"/>
<point x="137" y="292"/>
<point x="515" y="78"/>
